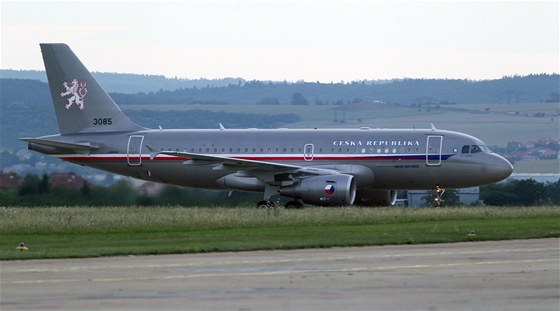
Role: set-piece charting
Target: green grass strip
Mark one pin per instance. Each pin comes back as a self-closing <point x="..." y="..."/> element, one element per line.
<point x="93" y="232"/>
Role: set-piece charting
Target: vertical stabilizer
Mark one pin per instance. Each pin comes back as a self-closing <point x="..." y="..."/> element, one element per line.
<point x="80" y="103"/>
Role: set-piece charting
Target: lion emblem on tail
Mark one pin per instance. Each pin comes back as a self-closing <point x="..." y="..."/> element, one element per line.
<point x="77" y="90"/>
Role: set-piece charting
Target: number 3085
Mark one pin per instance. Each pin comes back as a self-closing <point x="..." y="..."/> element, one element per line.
<point x="102" y="121"/>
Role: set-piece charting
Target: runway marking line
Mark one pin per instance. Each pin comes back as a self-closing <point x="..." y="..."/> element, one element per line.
<point x="287" y="260"/>
<point x="263" y="273"/>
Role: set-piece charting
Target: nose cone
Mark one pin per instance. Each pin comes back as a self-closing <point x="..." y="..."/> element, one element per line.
<point x="498" y="167"/>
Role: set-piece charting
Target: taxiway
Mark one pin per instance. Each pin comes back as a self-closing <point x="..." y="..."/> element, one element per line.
<point x="512" y="275"/>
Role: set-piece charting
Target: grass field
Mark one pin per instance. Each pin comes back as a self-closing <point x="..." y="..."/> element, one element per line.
<point x="91" y="232"/>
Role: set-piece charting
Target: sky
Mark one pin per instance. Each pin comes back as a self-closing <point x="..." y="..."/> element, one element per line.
<point x="290" y="40"/>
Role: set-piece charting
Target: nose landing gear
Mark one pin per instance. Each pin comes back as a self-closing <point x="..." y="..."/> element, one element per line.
<point x="438" y="193"/>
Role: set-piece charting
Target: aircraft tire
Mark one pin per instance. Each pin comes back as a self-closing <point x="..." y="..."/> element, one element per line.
<point x="265" y="204"/>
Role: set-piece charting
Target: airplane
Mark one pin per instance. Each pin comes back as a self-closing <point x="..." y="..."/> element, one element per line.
<point x="322" y="167"/>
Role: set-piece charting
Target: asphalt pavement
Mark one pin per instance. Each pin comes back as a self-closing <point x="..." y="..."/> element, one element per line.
<point x="497" y="275"/>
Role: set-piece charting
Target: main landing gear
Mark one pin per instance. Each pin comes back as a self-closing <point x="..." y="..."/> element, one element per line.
<point x="438" y="193"/>
<point x="266" y="204"/>
<point x="270" y="204"/>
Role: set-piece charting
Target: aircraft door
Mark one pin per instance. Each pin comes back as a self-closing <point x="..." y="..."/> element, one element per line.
<point x="308" y="152"/>
<point x="134" y="150"/>
<point x="433" y="150"/>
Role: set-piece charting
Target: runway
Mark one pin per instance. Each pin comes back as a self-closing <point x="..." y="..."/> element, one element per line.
<point x="503" y="275"/>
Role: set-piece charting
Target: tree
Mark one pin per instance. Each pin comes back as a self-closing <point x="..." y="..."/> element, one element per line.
<point x="529" y="192"/>
<point x="44" y="185"/>
<point x="554" y="192"/>
<point x="524" y="192"/>
<point x="497" y="195"/>
<point x="298" y="99"/>
<point x="29" y="186"/>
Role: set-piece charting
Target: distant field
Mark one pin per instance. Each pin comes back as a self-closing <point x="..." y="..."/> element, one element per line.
<point x="92" y="232"/>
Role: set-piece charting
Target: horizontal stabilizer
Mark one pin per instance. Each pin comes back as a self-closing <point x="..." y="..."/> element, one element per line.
<point x="61" y="145"/>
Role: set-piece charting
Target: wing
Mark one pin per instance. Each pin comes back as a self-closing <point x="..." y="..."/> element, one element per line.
<point x="250" y="167"/>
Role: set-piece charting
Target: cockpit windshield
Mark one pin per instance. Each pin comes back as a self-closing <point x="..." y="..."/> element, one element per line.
<point x="475" y="149"/>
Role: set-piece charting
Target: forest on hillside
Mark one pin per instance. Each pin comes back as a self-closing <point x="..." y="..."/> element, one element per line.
<point x="526" y="89"/>
<point x="156" y="89"/>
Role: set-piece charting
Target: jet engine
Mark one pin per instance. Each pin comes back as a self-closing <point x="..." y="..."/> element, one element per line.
<point x="374" y="197"/>
<point x="324" y="190"/>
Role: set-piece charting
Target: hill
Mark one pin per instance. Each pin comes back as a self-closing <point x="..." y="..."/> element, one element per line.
<point x="128" y="83"/>
<point x="526" y="89"/>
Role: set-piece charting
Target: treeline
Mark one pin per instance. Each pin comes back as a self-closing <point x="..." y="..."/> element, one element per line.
<point x="518" y="89"/>
<point x="127" y="82"/>
<point x="515" y="89"/>
<point x="525" y="192"/>
<point x="37" y="191"/>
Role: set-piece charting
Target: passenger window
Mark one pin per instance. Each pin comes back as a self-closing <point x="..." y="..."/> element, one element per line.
<point x="475" y="149"/>
<point x="465" y="149"/>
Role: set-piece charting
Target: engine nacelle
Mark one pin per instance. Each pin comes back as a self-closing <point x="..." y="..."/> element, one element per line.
<point x="373" y="197"/>
<point x="324" y="190"/>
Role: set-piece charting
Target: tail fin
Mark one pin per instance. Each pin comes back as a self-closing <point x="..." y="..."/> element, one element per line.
<point x="80" y="103"/>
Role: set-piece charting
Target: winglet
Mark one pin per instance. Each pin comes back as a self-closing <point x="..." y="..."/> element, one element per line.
<point x="222" y="127"/>
<point x="433" y="127"/>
